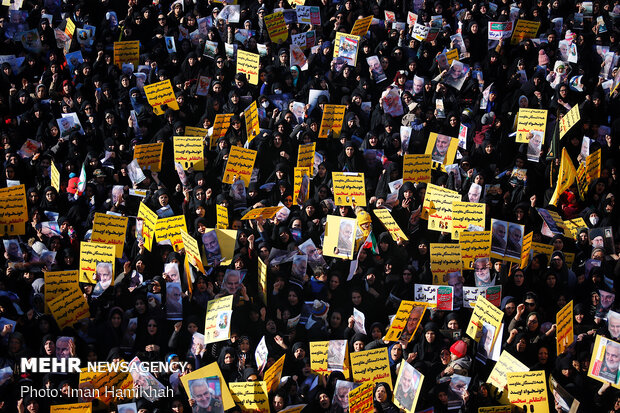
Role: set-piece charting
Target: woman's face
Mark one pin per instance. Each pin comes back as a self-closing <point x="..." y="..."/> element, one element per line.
<point x="430" y="336"/>
<point x="453" y="325"/>
<point x="140" y="306"/>
<point x="335" y="320"/>
<point x="293" y="299"/>
<point x="422" y="249"/>
<point x="356" y="298"/>
<point x="50" y="347"/>
<point x="116" y="320"/>
<point x="334" y="282"/>
<point x="380" y="394"/>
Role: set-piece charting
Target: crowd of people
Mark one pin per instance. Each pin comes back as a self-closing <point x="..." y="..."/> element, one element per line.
<point x="85" y="115"/>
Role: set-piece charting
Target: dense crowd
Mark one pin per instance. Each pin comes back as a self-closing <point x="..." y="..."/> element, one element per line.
<point x="571" y="61"/>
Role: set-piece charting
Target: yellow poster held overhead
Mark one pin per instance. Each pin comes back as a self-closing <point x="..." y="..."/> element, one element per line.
<point x="339" y="240"/>
<point x="390" y="224"/>
<point x="361" y="26"/>
<point x="192" y="251"/>
<point x="437" y="207"/>
<point x="529" y="388"/>
<point x="484" y="313"/>
<point x="247" y="63"/>
<point x="575" y="225"/>
<point x="92" y="256"/>
<point x="506" y="363"/>
<point x="217" y="319"/>
<point x="593" y="166"/>
<point x="371" y="366"/>
<point x="467" y="216"/>
<point x="305" y="156"/>
<point x="451" y="55"/>
<point x="531" y="122"/>
<point x="250" y="396"/>
<point x="276" y="27"/>
<point x="13" y="210"/>
<point x="527" y="248"/>
<point x="127" y="52"/>
<point x="564" y="322"/>
<point x="349" y="188"/>
<point x="565" y="178"/>
<point x="149" y="155"/>
<point x="59" y="282"/>
<point x="569" y="120"/>
<point x="265" y="212"/>
<point x="333" y="118"/>
<point x="55" y="177"/>
<point x="196" y="131"/>
<point x="360" y="399"/>
<point x="72" y="408"/>
<point x="495" y="409"/>
<point x="445" y="260"/>
<point x="169" y="229"/>
<point x="222" y="216"/>
<point x="406" y="321"/>
<point x="301" y="184"/>
<point x="159" y="94"/>
<point x="582" y="181"/>
<point x="474" y="245"/>
<point x="189" y="152"/>
<point x="240" y="165"/>
<point x="417" y="168"/>
<point x="442" y="149"/>
<point x="111" y="230"/>
<point x="318" y="356"/>
<point x="69" y="307"/>
<point x="251" y="121"/>
<point x="524" y="29"/>
<point x="220" y="127"/>
<point x="274" y="374"/>
<point x="149" y="224"/>
<point x="69" y="28"/>
<point x="262" y="280"/>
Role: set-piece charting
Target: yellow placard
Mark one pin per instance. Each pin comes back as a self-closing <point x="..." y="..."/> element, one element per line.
<point x="506" y="363"/>
<point x="220" y="127"/>
<point x="305" y="156"/>
<point x="221" y="216"/>
<point x="437" y="207"/>
<point x="96" y="383"/>
<point x="540" y="248"/>
<point x="349" y="188"/>
<point x="149" y="155"/>
<point x="390" y="224"/>
<point x="59" y="282"/>
<point x="524" y="29"/>
<point x="110" y="229"/>
<point x="529" y="388"/>
<point x="569" y="120"/>
<point x="406" y="321"/>
<point x="442" y="149"/>
<point x="298" y="180"/>
<point x="593" y="166"/>
<point x="575" y="225"/>
<point x="564" y="333"/>
<point x="417" y="168"/>
<point x="226" y="238"/>
<point x="318" y="356"/>
<point x="240" y="165"/>
<point x="274" y="374"/>
<point x="445" y="260"/>
<point x="495" y="409"/>
<point x="248" y="64"/>
<point x="252" y="126"/>
<point x="55" y="177"/>
<point x="192" y="252"/>
<point x="170" y="229"/>
<point x="527" y="248"/>
<point x="92" y="254"/>
<point x="13" y="210"/>
<point x="333" y="118"/>
<point x="189" y="152"/>
<point x="69" y="307"/>
<point x="339" y="240"/>
<point x="276" y="27"/>
<point x="159" y="94"/>
<point x="217" y="319"/>
<point x="196" y="131"/>
<point x="250" y="396"/>
<point x="127" y="52"/>
<point x="350" y="38"/>
<point x="371" y="366"/>
<point x="266" y="212"/>
<point x="599" y="370"/>
<point x="582" y="181"/>
<point x="262" y="280"/>
<point x="210" y="370"/>
<point x="474" y="245"/>
<point x="531" y="122"/>
<point x="566" y="176"/>
<point x="361" y="26"/>
<point x="360" y="399"/>
<point x="149" y="225"/>
<point x="466" y="214"/>
<point x="451" y="55"/>
<point x="484" y="312"/>
<point x="402" y="396"/>
<point x="72" y="408"/>
<point x="69" y="28"/>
